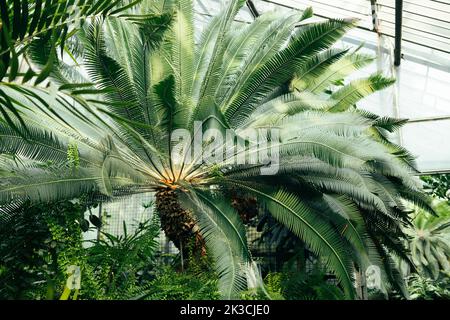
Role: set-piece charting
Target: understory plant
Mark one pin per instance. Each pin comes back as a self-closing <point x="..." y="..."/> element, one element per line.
<point x="438" y="185"/>
<point x="170" y="284"/>
<point x="43" y="243"/>
<point x="37" y="246"/>
<point x="122" y="263"/>
<point x="429" y="241"/>
<point x="424" y="288"/>
<point x="292" y="283"/>
<point x="147" y="103"/>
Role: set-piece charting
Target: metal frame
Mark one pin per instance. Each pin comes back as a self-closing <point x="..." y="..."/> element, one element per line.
<point x="375" y="22"/>
<point x="398" y="32"/>
<point x="427" y="119"/>
<point x="397" y="54"/>
<point x="252" y="8"/>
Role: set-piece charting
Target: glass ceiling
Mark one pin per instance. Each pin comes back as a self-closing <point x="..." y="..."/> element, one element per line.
<point x="421" y="93"/>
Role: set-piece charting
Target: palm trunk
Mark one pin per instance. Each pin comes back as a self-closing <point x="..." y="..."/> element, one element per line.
<point x="179" y="224"/>
<point x="246" y="207"/>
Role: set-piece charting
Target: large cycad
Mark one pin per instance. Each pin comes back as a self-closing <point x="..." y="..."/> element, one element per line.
<point x="338" y="181"/>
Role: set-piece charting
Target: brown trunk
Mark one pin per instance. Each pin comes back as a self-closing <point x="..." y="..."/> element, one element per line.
<point x="247" y="207"/>
<point x="179" y="224"/>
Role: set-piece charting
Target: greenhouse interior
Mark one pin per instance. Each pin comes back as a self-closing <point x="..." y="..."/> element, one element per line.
<point x="225" y="150"/>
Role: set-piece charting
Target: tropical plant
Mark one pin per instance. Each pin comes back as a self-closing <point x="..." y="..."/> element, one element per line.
<point x="286" y="244"/>
<point x="438" y="185"/>
<point x="309" y="285"/>
<point x="429" y="241"/>
<point x="35" y="248"/>
<point x="123" y="262"/>
<point x="169" y="284"/>
<point x="39" y="244"/>
<point x="340" y="181"/>
<point x="294" y="284"/>
<point x="26" y="23"/>
<point x="423" y="288"/>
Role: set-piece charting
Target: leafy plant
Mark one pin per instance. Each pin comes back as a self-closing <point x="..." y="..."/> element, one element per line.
<point x="25" y="23"/>
<point x="340" y="181"/>
<point x="308" y="285"/>
<point x="423" y="288"/>
<point x="123" y="262"/>
<point x="36" y="246"/>
<point x="438" y="185"/>
<point x="429" y="241"/>
<point x="293" y="284"/>
<point x="41" y="242"/>
<point x="171" y="285"/>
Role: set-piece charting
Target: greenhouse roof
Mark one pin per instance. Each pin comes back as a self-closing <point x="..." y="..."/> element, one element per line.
<point x="421" y="92"/>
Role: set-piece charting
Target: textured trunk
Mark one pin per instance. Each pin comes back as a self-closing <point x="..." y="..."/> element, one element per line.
<point x="179" y="224"/>
<point x="246" y="207"/>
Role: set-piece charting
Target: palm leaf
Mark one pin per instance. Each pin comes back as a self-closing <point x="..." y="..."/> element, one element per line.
<point x="225" y="238"/>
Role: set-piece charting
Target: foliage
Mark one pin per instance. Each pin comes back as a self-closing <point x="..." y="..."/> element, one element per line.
<point x="42" y="241"/>
<point x="27" y="23"/>
<point x="429" y="241"/>
<point x="121" y="263"/>
<point x="423" y="288"/>
<point x="272" y="289"/>
<point x="169" y="284"/>
<point x="309" y="285"/>
<point x="438" y="185"/>
<point x="35" y="247"/>
<point x="293" y="284"/>
<point x="340" y="181"/>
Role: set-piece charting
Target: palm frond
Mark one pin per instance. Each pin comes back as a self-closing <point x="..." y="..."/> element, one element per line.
<point x="347" y="96"/>
<point x="287" y="208"/>
<point x="324" y="77"/>
<point x="308" y="41"/>
<point x="225" y="238"/>
<point x="53" y="22"/>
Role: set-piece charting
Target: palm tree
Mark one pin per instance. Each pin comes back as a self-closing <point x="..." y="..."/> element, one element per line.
<point x="24" y="23"/>
<point x="339" y="182"/>
<point x="430" y="240"/>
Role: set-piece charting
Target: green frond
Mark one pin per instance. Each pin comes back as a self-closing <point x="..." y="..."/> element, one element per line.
<point x="225" y="239"/>
<point x="39" y="145"/>
<point x="325" y="77"/>
<point x="314" y="67"/>
<point x="49" y="22"/>
<point x="241" y="49"/>
<point x="182" y="50"/>
<point x="42" y="187"/>
<point x="308" y="41"/>
<point x="347" y="96"/>
<point x="275" y="36"/>
<point x="320" y="238"/>
<point x="107" y="73"/>
<point x="347" y="124"/>
<point x="205" y="99"/>
<point x="271" y="112"/>
<point x="287" y="208"/>
<point x="344" y="186"/>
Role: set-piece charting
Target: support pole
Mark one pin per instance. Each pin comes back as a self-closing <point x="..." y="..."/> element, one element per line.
<point x="398" y="32"/>
<point x="252" y="8"/>
<point x="375" y="24"/>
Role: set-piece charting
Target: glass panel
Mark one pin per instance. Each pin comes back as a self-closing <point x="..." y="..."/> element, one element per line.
<point x="426" y="22"/>
<point x="329" y="9"/>
<point x="422" y="91"/>
<point x="423" y="79"/>
<point x="429" y="141"/>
